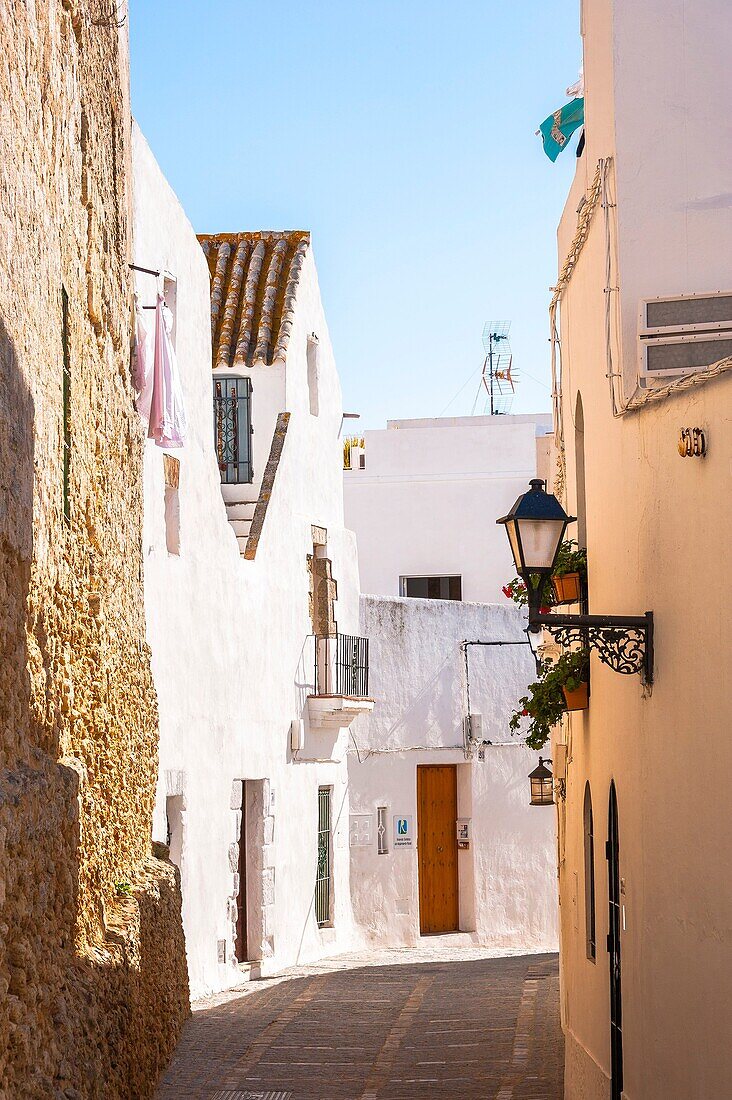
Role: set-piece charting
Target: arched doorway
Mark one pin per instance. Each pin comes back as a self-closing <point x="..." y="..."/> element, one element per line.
<point x="613" y="947"/>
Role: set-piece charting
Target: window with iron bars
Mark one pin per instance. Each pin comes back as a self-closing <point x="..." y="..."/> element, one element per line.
<point x="233" y="429"/>
<point x="323" y="876"/>
<point x="382" y="835"/>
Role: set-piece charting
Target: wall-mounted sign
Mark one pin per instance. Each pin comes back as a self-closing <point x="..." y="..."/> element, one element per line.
<point x="403" y="831"/>
<point x="464" y="832"/>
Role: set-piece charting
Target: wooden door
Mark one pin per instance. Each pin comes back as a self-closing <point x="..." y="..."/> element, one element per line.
<point x="241" y="901"/>
<point x="437" y="847"/>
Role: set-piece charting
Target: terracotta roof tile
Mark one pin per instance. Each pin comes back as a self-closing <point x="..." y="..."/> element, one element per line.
<point x="254" y="281"/>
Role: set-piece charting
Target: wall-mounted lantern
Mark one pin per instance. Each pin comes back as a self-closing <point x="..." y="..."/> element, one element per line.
<point x="535" y="527"/>
<point x="542" y="789"/>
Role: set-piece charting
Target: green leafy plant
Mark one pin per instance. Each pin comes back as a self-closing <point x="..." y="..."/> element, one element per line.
<point x="572" y="558"/>
<point x="545" y="704"/>
<point x="123" y="888"/>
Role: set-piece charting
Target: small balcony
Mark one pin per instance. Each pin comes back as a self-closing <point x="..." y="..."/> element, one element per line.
<point x="341" y="679"/>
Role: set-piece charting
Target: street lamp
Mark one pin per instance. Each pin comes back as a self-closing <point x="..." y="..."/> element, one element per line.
<point x="541" y="779"/>
<point x="535" y="527"/>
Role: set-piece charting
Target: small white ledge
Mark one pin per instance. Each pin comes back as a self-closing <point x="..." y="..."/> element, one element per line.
<point x="336" y="711"/>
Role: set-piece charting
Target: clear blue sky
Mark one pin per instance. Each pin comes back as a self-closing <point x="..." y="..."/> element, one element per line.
<point x="401" y="134"/>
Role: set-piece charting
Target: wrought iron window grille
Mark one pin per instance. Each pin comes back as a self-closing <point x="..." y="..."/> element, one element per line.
<point x="233" y="429"/>
<point x="382" y="832"/>
<point x="323" y="875"/>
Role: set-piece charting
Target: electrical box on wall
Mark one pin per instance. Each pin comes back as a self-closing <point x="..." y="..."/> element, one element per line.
<point x="560" y="761"/>
<point x="297" y="735"/>
<point x="464" y="832"/>
<point x="360" y="830"/>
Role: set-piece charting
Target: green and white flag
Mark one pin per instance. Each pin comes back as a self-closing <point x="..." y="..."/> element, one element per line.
<point x="558" y="128"/>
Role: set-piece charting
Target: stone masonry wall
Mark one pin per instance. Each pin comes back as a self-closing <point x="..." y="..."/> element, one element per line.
<point x="93" y="986"/>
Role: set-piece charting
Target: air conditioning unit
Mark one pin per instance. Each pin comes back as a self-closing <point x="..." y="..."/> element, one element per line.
<point x="683" y="334"/>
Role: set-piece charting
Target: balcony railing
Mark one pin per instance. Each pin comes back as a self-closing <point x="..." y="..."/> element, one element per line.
<point x="342" y="665"/>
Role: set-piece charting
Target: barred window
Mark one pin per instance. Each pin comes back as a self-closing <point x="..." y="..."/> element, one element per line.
<point x="233" y="429"/>
<point x="382" y="834"/>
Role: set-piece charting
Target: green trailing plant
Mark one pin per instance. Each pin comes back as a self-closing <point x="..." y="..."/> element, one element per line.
<point x="571" y="558"/>
<point x="545" y="704"/>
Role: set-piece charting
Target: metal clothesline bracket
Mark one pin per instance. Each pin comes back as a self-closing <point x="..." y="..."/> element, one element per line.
<point x="145" y="270"/>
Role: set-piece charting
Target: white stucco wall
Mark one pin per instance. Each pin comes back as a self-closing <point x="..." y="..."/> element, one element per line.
<point x="230" y="652"/>
<point x="507" y="879"/>
<point x="427" y="501"/>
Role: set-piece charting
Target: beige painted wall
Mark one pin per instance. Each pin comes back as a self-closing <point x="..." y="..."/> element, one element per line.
<point x="658" y="535"/>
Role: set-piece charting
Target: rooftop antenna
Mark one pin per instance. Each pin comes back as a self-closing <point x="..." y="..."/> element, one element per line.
<point x="498" y="376"/>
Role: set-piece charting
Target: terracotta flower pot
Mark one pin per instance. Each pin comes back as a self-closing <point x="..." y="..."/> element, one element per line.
<point x="579" y="699"/>
<point x="567" y="588"/>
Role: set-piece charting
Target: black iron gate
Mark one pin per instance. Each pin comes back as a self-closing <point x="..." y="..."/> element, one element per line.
<point x="613" y="947"/>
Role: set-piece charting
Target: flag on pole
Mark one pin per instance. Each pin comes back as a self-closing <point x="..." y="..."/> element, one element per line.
<point x="558" y="128"/>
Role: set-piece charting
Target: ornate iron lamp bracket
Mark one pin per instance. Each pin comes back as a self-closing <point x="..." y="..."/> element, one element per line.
<point x="623" y="642"/>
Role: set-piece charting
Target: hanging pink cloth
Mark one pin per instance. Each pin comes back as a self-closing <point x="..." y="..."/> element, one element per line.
<point x="167" y="424"/>
<point x="142" y="370"/>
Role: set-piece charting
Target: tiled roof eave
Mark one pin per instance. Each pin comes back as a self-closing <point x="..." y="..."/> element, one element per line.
<point x="255" y="278"/>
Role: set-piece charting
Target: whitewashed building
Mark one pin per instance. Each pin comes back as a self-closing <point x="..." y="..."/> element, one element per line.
<point x="246" y="559"/>
<point x="443" y="838"/>
<point x="423" y="497"/>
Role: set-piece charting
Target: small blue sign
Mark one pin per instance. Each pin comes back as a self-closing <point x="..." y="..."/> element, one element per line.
<point x="403" y="831"/>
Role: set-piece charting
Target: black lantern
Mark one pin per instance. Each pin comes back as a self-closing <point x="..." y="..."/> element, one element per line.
<point x="542" y="789"/>
<point x="535" y="527"/>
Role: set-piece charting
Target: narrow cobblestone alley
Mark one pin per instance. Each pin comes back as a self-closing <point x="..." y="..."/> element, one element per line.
<point x="397" y="1025"/>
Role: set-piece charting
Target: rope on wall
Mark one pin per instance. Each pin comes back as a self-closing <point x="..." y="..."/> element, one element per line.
<point x="640" y="396"/>
<point x="600" y="189"/>
<point x="584" y="221"/>
<point x="469" y="741"/>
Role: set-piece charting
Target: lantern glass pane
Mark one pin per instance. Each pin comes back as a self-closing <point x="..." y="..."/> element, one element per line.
<point x="515" y="549"/>
<point x="540" y="540"/>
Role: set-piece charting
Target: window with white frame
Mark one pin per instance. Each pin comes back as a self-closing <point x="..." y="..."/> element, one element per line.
<point x="432" y="588"/>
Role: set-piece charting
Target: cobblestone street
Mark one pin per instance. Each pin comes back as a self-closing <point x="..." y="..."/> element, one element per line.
<point x="400" y="1025"/>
